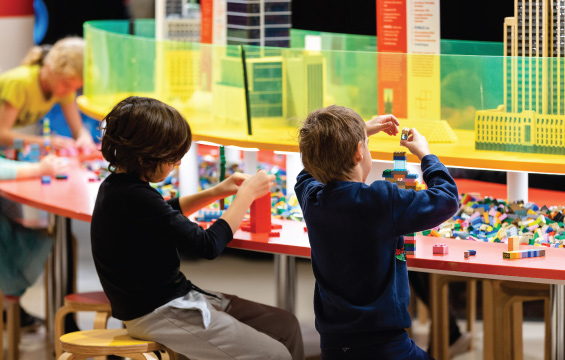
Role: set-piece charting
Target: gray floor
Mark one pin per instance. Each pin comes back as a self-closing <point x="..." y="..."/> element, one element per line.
<point x="248" y="277"/>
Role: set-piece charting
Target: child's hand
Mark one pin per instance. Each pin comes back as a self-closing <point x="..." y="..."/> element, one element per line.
<point x="416" y="143"/>
<point x="62" y="142"/>
<point x="84" y="141"/>
<point x="387" y="123"/>
<point x="52" y="165"/>
<point x="231" y="185"/>
<point x="257" y="185"/>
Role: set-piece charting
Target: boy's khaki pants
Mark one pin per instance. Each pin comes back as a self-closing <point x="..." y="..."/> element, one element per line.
<point x="238" y="328"/>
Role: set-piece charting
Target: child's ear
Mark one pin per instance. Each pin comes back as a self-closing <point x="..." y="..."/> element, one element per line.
<point x="359" y="152"/>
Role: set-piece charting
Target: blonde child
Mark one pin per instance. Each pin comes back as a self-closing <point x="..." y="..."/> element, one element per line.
<point x="45" y="78"/>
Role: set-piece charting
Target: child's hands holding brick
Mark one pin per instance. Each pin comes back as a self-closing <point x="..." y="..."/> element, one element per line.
<point x="416" y="143"/>
<point x="387" y="123"/>
<point x="257" y="185"/>
<point x="231" y="185"/>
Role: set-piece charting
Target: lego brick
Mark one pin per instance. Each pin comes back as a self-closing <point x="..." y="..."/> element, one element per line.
<point x="522" y="254"/>
<point x="440" y="249"/>
<point x="405" y="133"/>
<point x="260" y="221"/>
<point x="513" y="243"/>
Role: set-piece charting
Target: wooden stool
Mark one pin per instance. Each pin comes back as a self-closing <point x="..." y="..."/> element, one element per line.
<point x="502" y="304"/>
<point x="93" y="343"/>
<point x="439" y="303"/>
<point x="90" y="301"/>
<point x="12" y="306"/>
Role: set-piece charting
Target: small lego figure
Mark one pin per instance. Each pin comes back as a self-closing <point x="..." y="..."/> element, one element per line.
<point x="404" y="135"/>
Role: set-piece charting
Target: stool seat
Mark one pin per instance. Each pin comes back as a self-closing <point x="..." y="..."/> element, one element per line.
<point x="90" y="343"/>
<point x="106" y="342"/>
<point x="89" y="301"/>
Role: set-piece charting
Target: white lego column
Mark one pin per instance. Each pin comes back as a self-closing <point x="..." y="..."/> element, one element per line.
<point x="232" y="154"/>
<point x="517" y="186"/>
<point x="188" y="172"/>
<point x="250" y="161"/>
<point x="293" y="168"/>
<point x="16" y="25"/>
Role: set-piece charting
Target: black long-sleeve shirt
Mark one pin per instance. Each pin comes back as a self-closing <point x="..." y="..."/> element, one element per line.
<point x="135" y="235"/>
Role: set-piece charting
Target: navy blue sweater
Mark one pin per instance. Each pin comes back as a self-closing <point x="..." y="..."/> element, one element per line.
<point x="356" y="232"/>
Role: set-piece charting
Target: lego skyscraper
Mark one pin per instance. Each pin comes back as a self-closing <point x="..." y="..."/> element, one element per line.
<point x="534" y="83"/>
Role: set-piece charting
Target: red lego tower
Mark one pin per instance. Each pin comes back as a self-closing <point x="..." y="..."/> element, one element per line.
<point x="261" y="215"/>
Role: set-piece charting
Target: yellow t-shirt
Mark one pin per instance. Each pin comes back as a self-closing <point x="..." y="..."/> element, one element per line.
<point x="20" y="87"/>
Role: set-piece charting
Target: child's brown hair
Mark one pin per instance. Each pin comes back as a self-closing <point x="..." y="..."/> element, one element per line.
<point x="328" y="140"/>
<point x="142" y="133"/>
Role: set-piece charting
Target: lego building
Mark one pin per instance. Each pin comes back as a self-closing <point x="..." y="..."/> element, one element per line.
<point x="532" y="116"/>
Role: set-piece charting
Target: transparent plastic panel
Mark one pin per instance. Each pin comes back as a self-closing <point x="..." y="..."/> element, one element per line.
<point x="467" y="104"/>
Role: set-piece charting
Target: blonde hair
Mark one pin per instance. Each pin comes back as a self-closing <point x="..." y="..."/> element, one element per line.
<point x="64" y="58"/>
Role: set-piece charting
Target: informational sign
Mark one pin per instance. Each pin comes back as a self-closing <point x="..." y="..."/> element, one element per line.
<point x="408" y="43"/>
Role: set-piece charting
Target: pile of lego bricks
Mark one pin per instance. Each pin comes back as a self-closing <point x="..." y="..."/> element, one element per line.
<point x="400" y="175"/>
<point x="492" y="220"/>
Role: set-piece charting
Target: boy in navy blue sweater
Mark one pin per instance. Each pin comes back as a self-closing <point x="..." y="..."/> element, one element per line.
<point x="356" y="233"/>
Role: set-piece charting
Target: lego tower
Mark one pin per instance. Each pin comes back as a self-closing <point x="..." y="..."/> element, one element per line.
<point x="533" y="114"/>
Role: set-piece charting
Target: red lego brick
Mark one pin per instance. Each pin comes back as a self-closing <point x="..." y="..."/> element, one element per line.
<point x="261" y="215"/>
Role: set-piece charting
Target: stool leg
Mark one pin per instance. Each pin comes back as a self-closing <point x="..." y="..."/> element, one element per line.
<point x="547" y="339"/>
<point x="516" y="321"/>
<point x="488" y="319"/>
<point x="471" y="308"/>
<point x="13" y="327"/>
<point x="434" y="301"/>
<point x="68" y="356"/>
<point x="60" y="328"/>
<point x="421" y="311"/>
<point x="444" y="318"/>
<point x="101" y="320"/>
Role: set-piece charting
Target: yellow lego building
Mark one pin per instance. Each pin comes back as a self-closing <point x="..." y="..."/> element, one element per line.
<point x="532" y="117"/>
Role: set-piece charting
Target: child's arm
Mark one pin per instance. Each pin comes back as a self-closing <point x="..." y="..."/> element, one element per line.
<point x="415" y="211"/>
<point x="80" y="133"/>
<point x="250" y="190"/>
<point x="49" y="165"/>
<point x="8" y="115"/>
<point x="387" y="123"/>
<point x="194" y="202"/>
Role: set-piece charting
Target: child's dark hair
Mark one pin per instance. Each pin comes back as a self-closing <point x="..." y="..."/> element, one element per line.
<point x="143" y="133"/>
<point x="328" y="140"/>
